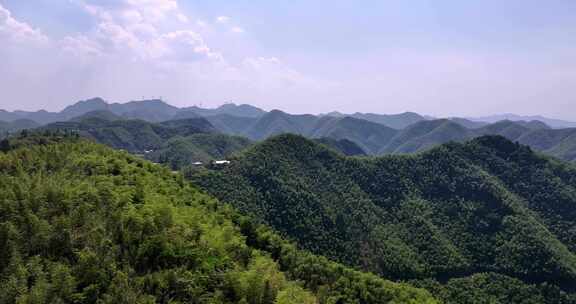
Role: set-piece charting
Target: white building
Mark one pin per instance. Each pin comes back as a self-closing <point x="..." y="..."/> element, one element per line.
<point x="221" y="162"/>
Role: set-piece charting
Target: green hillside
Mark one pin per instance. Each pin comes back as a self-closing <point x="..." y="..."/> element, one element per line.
<point x="229" y="124"/>
<point x="483" y="222"/>
<point x="17" y="125"/>
<point x="396" y="121"/>
<point x="424" y="134"/>
<point x="82" y="223"/>
<point x="344" y="146"/>
<point x="132" y="135"/>
<point x="179" y="152"/>
<point x="277" y="122"/>
<point x="368" y="135"/>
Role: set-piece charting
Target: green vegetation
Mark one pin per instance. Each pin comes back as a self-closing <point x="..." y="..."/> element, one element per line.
<point x="375" y="134"/>
<point x="396" y="121"/>
<point x="7" y="128"/>
<point x="488" y="221"/>
<point x="82" y="223"/>
<point x="132" y="135"/>
<point x="344" y="146"/>
<point x="423" y="135"/>
<point x="179" y="152"/>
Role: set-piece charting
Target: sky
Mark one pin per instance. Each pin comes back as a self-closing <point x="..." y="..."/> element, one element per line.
<point x="435" y="57"/>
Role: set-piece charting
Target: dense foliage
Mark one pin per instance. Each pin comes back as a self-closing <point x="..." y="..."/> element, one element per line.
<point x="488" y="221"/>
<point x="81" y="223"/>
<point x="344" y="146"/>
<point x="131" y="135"/>
<point x="372" y="134"/>
<point x="7" y="128"/>
<point x="375" y="134"/>
<point x="179" y="152"/>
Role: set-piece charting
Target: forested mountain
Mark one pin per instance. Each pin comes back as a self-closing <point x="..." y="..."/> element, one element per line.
<point x="153" y="110"/>
<point x="560" y="143"/>
<point x="17" y="125"/>
<point x="243" y="110"/>
<point x="230" y="124"/>
<point x="469" y="124"/>
<point x="82" y="223"/>
<point x="396" y="121"/>
<point x="377" y="139"/>
<point x="554" y="123"/>
<point x="277" y="122"/>
<point x="488" y="221"/>
<point x="132" y="135"/>
<point x="179" y="152"/>
<point x="423" y="135"/>
<point x="343" y="146"/>
<point x="97" y="115"/>
<point x="368" y="135"/>
<point x="177" y="143"/>
<point x="375" y="134"/>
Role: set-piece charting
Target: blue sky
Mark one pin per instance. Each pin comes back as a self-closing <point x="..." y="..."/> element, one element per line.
<point x="442" y="57"/>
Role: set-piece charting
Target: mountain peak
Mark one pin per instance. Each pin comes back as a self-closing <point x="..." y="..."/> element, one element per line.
<point x="84" y="106"/>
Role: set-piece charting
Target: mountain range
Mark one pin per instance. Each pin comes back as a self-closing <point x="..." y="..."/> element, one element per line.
<point x="374" y="134"/>
<point x="150" y="110"/>
<point x="378" y="139"/>
<point x="156" y="110"/>
<point x="554" y="123"/>
<point x="177" y="143"/>
<point x="346" y="209"/>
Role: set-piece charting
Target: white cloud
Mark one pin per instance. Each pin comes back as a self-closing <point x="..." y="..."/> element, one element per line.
<point x="137" y="48"/>
<point x="17" y="31"/>
<point x="151" y="10"/>
<point x="223" y="19"/>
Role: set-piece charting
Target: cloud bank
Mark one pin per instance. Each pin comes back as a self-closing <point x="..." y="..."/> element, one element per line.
<point x="135" y="49"/>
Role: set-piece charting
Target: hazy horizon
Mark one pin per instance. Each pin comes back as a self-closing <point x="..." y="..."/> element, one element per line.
<point x="446" y="59"/>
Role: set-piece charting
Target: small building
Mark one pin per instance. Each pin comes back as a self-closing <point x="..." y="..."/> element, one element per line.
<point x="221" y="162"/>
<point x="197" y="163"/>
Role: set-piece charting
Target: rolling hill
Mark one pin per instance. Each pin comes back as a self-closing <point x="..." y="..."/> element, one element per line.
<point x="179" y="152"/>
<point x="243" y="110"/>
<point x="131" y="135"/>
<point x="368" y="135"/>
<point x="344" y="146"/>
<point x="82" y="223"/>
<point x="488" y="221"/>
<point x="152" y="110"/>
<point x="375" y="134"/>
<point x="554" y="123"/>
<point x="17" y="125"/>
<point x="560" y="143"/>
<point x="396" y="121"/>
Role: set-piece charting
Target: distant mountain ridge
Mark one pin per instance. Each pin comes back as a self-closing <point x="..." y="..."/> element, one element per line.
<point x="153" y="110"/>
<point x="157" y="110"/>
<point x="375" y="134"/>
<point x="554" y="123"/>
<point x="378" y="139"/>
<point x="131" y="135"/>
<point x="396" y="121"/>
